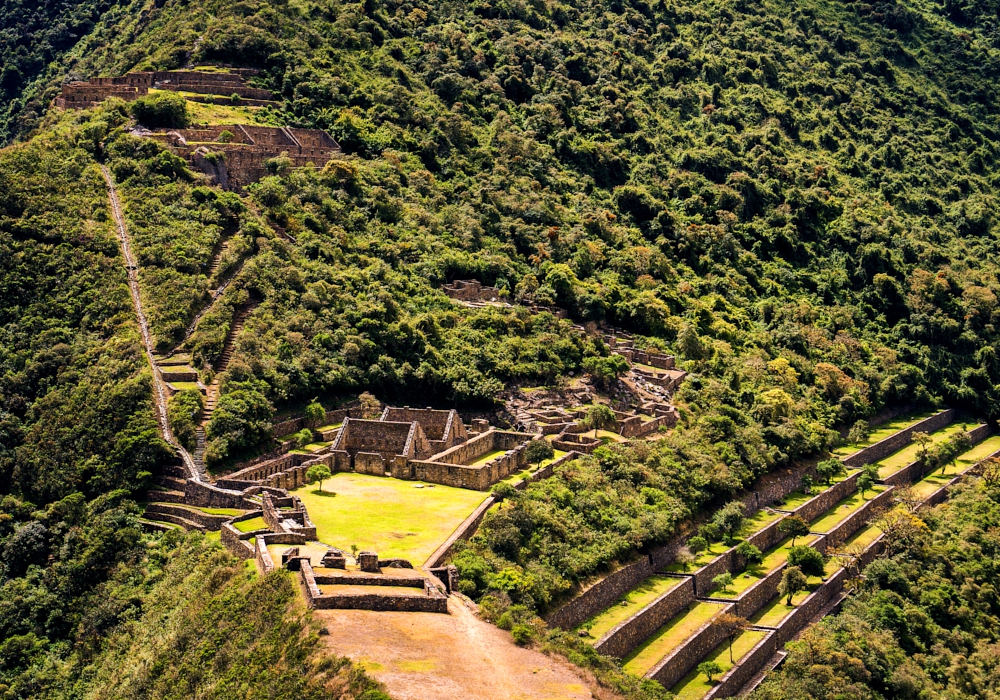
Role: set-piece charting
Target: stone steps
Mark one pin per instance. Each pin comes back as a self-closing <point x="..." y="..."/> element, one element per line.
<point x="188" y="525"/>
<point x="201" y="519"/>
<point x="171" y="483"/>
<point x="165" y="496"/>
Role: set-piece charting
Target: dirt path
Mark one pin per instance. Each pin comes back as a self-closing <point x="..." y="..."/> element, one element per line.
<point x="429" y="655"/>
<point x="159" y="391"/>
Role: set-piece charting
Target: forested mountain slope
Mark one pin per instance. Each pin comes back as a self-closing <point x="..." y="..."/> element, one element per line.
<point x="797" y="198"/>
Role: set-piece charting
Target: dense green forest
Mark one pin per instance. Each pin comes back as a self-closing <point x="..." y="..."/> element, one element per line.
<point x="925" y="621"/>
<point x="796" y="198"/>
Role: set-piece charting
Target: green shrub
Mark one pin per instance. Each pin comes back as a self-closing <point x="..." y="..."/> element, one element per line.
<point x="161" y="110"/>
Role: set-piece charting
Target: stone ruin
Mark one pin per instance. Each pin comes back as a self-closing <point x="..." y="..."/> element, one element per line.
<point x="234" y="163"/>
<point x="132" y="86"/>
<point x="472" y="292"/>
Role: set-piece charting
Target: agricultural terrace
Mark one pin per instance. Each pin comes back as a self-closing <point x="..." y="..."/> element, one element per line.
<point x="629" y="604"/>
<point x="395" y="518"/>
<point x="844" y="509"/>
<point x="773" y="559"/>
<point x="897" y="460"/>
<point x="696" y="685"/>
<point x="669" y="636"/>
<point x="883" y="431"/>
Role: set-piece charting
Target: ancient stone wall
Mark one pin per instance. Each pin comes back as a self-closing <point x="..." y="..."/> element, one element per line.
<point x="858" y="519"/>
<point x="230" y="538"/>
<point x="685" y="657"/>
<point x="897" y="441"/>
<point x="265" y="564"/>
<point x="625" y="637"/>
<point x="463" y="532"/>
<point x="438" y="426"/>
<point x="804" y="611"/>
<point x="741" y="674"/>
<point x="816" y="506"/>
<point x="197" y="493"/>
<point x="759" y="594"/>
<point x="470" y="290"/>
<point x="601" y="594"/>
<point x="370" y="463"/>
<point x="382" y="437"/>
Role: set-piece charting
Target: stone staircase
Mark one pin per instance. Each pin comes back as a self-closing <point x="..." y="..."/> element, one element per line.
<point x="213" y="269"/>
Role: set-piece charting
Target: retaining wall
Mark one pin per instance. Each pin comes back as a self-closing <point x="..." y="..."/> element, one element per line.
<point x="230" y="537"/>
<point x="601" y="594"/>
<point x="197" y="493"/>
<point x="673" y="667"/>
<point x="622" y="639"/>
<point x="897" y="441"/>
<point x="808" y="608"/>
<point x="265" y="564"/>
<point x="745" y="669"/>
<point x="816" y="506"/>
<point x="858" y="519"/>
<point x="463" y="532"/>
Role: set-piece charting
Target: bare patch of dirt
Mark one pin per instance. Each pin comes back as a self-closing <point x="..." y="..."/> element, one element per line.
<point x="426" y="655"/>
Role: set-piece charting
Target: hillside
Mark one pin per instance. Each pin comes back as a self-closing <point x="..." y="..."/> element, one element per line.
<point x="797" y="200"/>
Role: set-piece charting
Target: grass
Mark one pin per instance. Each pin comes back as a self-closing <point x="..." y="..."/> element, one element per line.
<point x="758" y="521"/>
<point x="840" y="512"/>
<point x="897" y="460"/>
<point x="863" y="537"/>
<point x="669" y="636"/>
<point x="221" y="511"/>
<point x="702" y="558"/>
<point x="695" y="685"/>
<point x="332" y="426"/>
<point x="629" y="604"/>
<point x="250" y="525"/>
<point x="929" y="484"/>
<point x="772" y="614"/>
<point x="312" y="447"/>
<point x="387" y="515"/>
<point x="221" y="113"/>
<point x="976" y="454"/>
<point x="882" y="431"/>
<point x="773" y="558"/>
<point x="796" y="499"/>
<point x="184" y="386"/>
<point x="487" y="457"/>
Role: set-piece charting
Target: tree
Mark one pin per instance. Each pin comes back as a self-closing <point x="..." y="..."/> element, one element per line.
<point x="371" y="408"/>
<point x="808" y="560"/>
<point x="750" y="553"/>
<point x="923" y="440"/>
<point x="829" y="469"/>
<point x="166" y="110"/>
<point x="859" y="432"/>
<point x="599" y="417"/>
<point x="697" y="544"/>
<point x="729" y="519"/>
<point x="807" y="485"/>
<point x="710" y="669"/>
<point x="684" y="557"/>
<point x="318" y="472"/>
<point x="731" y="625"/>
<point x="991" y="472"/>
<point x="605" y="370"/>
<point x="865" y="483"/>
<point x="722" y="582"/>
<point x="792" y="581"/>
<point x="315" y="414"/>
<point x="538" y="450"/>
<point x="957" y="446"/>
<point x="793" y="526"/>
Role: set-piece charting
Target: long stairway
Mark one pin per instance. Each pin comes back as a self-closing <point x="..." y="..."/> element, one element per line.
<point x="212" y="394"/>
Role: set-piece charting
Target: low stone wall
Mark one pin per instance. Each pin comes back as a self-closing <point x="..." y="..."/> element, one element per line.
<point x="574" y="441"/>
<point x="625" y="637"/>
<point x="740" y="674"/>
<point x="350" y="580"/>
<point x="463" y="532"/>
<point x="546" y="471"/>
<point x="724" y="563"/>
<point x="230" y="537"/>
<point x="767" y="537"/>
<point x="634" y="426"/>
<point x="678" y="663"/>
<point x="858" y="519"/>
<point x="759" y="594"/>
<point x="816" y="506"/>
<point x="601" y="594"/>
<point x="197" y="493"/>
<point x="432" y="600"/>
<point x="206" y="520"/>
<point x="897" y="441"/>
<point x="265" y="564"/>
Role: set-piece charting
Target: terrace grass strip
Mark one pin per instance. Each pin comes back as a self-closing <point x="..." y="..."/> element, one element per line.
<point x="773" y="559"/>
<point x="897" y="460"/>
<point x="883" y="431"/>
<point x="639" y="597"/>
<point x="843" y="510"/>
<point x="670" y="636"/>
<point x="695" y="685"/>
